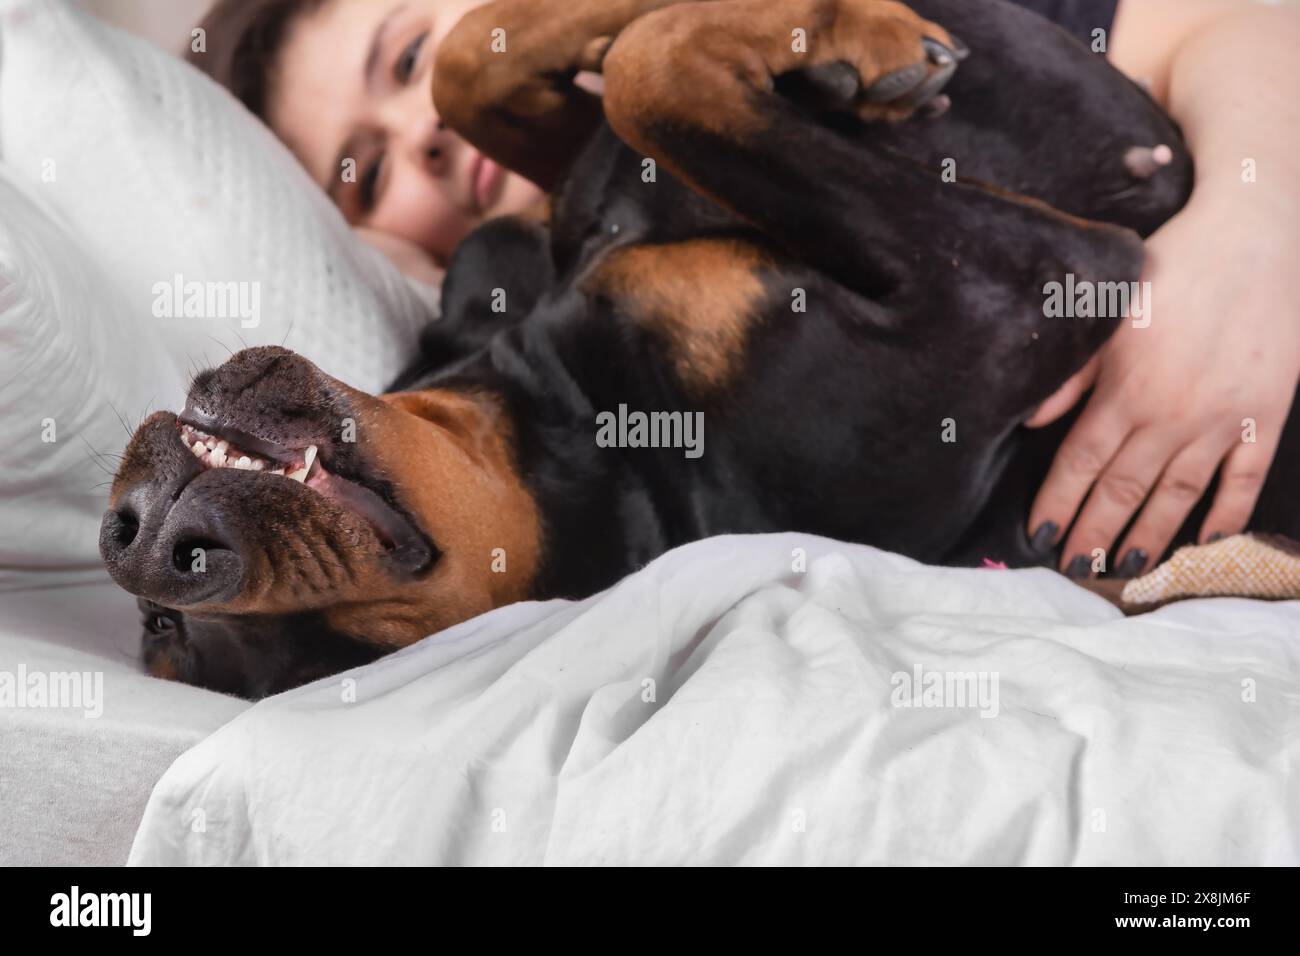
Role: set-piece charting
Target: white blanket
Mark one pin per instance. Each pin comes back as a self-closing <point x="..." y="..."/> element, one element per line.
<point x="726" y="705"/>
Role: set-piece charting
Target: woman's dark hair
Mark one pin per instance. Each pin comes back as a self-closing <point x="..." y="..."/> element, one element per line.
<point x="242" y="40"/>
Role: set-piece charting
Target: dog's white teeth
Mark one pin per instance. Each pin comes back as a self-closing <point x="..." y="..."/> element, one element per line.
<point x="216" y="453"/>
<point x="309" y="457"/>
<point x="299" y="476"/>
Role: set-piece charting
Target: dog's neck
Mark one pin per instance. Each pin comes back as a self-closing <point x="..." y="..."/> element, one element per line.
<point x="600" y="516"/>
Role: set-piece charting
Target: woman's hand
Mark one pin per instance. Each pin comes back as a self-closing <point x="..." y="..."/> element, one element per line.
<point x="1208" y="383"/>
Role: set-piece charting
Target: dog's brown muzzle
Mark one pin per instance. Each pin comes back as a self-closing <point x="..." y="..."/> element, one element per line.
<point x="255" y="498"/>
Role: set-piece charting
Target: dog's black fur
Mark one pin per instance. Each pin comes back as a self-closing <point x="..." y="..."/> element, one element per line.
<point x="896" y="337"/>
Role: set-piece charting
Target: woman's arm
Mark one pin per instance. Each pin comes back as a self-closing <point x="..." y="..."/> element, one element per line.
<point x="1229" y="72"/>
<point x="1224" y="342"/>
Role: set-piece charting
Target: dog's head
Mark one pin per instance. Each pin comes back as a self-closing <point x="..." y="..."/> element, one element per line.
<point x="281" y="504"/>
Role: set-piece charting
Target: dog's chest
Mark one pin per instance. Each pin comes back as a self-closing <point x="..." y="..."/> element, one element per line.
<point x="614" y="198"/>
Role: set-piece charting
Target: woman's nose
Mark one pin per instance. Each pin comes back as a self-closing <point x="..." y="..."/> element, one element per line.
<point x="414" y="130"/>
<point x="426" y="140"/>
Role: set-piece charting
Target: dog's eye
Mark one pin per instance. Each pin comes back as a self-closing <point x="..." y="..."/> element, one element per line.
<point x="157" y="623"/>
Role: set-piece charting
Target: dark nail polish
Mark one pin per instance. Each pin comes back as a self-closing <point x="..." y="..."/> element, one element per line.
<point x="1044" y="536"/>
<point x="1132" y="563"/>
<point x="1078" y="568"/>
<point x="1217" y="536"/>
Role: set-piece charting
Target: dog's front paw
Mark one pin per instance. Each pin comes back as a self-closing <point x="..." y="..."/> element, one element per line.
<point x="918" y="86"/>
<point x="881" y="61"/>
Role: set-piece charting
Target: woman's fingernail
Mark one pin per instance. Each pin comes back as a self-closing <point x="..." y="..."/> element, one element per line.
<point x="1044" y="536"/>
<point x="1132" y="563"/>
<point x="1078" y="568"/>
<point x="1217" y="536"/>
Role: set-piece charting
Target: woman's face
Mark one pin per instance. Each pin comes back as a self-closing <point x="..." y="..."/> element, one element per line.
<point x="352" y="99"/>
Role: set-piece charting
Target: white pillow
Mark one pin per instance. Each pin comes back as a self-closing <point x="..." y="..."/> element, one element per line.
<point x="69" y="366"/>
<point x="137" y="169"/>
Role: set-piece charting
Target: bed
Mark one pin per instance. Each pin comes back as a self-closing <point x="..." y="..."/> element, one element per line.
<point x="74" y="780"/>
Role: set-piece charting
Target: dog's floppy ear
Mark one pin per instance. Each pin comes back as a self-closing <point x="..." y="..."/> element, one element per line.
<point x="494" y="280"/>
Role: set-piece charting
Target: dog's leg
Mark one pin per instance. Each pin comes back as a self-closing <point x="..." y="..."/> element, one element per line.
<point x="699" y="88"/>
<point x="1036" y="111"/>
<point x="504" y="78"/>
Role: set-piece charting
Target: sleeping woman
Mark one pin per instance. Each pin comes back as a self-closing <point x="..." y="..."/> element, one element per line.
<point x="346" y="85"/>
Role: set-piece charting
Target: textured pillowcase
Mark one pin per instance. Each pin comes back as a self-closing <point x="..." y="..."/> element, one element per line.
<point x="69" y="367"/>
<point x="138" y="169"/>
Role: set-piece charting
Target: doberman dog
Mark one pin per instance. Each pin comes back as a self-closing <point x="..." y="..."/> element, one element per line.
<point x="757" y="225"/>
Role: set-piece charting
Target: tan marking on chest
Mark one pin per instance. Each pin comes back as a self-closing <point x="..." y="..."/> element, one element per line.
<point x="699" y="297"/>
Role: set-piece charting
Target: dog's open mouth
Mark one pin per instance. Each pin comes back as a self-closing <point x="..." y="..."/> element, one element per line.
<point x="221" y="446"/>
<point x="216" y="452"/>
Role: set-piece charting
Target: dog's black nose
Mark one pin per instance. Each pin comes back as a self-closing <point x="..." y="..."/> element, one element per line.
<point x="161" y="546"/>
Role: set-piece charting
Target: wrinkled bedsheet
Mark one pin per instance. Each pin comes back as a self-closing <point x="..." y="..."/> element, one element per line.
<point x="775" y="699"/>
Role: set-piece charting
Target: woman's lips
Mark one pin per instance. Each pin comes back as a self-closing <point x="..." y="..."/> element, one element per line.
<point x="487" y="178"/>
